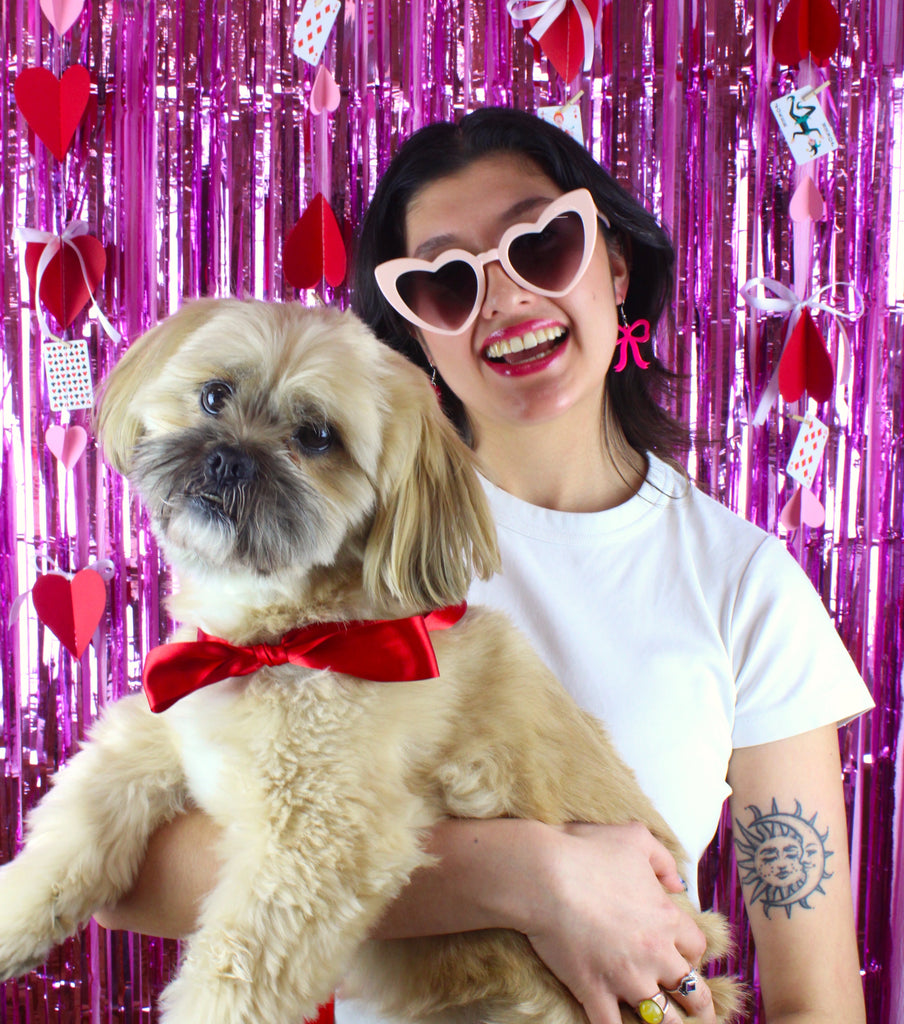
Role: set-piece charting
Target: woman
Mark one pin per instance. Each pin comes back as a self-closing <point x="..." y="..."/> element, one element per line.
<point x="673" y="620"/>
<point x="667" y="616"/>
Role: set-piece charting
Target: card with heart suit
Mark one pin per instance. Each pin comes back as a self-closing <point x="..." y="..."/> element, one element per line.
<point x="808" y="449"/>
<point x="313" y="28"/>
<point x="68" y="371"/>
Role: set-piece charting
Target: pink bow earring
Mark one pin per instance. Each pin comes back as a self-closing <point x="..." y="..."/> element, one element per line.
<point x="633" y="335"/>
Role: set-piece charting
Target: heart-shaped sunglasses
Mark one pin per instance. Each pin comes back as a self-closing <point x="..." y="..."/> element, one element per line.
<point x="547" y="257"/>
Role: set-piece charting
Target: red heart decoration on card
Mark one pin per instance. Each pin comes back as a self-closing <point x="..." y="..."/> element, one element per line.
<point x="806" y="28"/>
<point x="314" y="249"/>
<point x="806" y="364"/>
<point x="66" y="443"/>
<point x="803" y="508"/>
<point x="563" y="41"/>
<point x="65" y="289"/>
<point x="53" y="107"/>
<point x="62" y="14"/>
<point x="71" y="609"/>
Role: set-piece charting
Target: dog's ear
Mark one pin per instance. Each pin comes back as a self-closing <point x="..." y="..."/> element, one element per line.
<point x="433" y="529"/>
<point x="117" y="417"/>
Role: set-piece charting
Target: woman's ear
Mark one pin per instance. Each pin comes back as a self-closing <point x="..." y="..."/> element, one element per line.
<point x="618" y="265"/>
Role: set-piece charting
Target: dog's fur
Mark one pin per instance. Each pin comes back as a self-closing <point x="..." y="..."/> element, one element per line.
<point x="348" y="497"/>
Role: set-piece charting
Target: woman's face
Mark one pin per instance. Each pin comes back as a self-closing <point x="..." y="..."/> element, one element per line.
<point x="499" y="381"/>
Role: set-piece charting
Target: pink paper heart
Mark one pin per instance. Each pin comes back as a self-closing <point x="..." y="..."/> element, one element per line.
<point x="325" y="93"/>
<point x="70" y="609"/>
<point x="62" y="14"/>
<point x="66" y="443"/>
<point x="807" y="202"/>
<point x="803" y="508"/>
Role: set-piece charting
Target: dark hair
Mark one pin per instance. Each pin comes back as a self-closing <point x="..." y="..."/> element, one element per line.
<point x="636" y="398"/>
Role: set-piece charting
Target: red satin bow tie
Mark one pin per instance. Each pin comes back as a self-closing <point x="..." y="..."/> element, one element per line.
<point x="385" y="650"/>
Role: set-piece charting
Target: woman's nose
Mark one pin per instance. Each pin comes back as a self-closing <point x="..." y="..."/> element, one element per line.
<point x="502" y="293"/>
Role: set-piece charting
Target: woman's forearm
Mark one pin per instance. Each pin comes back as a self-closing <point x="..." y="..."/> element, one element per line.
<point x="179" y="869"/>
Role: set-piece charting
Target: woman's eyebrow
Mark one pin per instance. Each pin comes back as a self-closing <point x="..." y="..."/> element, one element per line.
<point x="439" y="243"/>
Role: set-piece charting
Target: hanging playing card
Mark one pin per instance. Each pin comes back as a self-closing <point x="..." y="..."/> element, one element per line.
<point x="807" y="453"/>
<point x="68" y="371"/>
<point x="567" y="117"/>
<point x="312" y="30"/>
<point x="804" y="125"/>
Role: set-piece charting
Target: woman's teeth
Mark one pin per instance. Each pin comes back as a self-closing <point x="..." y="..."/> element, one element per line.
<point x="521" y="343"/>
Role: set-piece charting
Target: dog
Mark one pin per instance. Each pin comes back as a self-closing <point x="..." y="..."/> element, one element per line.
<point x="300" y="475"/>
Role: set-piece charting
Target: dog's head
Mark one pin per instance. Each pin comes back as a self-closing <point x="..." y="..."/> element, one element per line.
<point x="279" y="444"/>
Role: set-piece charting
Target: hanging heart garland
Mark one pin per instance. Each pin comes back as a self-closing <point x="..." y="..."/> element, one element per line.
<point x="325" y="93"/>
<point x="807" y="203"/>
<point x="803" y="508"/>
<point x="314" y="250"/>
<point x="805" y="365"/>
<point x="71" y="608"/>
<point x="780" y="299"/>
<point x="64" y="272"/>
<point x="807" y="28"/>
<point x="564" y="30"/>
<point x="53" y="107"/>
<point x="66" y="443"/>
<point x="62" y="14"/>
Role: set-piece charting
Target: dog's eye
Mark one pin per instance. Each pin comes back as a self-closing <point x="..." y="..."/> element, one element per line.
<point x="316" y="438"/>
<point x="214" y="395"/>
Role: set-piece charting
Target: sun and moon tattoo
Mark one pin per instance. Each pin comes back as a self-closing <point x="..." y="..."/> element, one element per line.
<point x="782" y="857"/>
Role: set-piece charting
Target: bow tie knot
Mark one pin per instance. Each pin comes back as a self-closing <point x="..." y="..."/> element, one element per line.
<point x="381" y="651"/>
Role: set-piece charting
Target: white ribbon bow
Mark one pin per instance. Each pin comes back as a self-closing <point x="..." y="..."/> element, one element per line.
<point x="52" y="245"/>
<point x="783" y="300"/>
<point x="547" y="11"/>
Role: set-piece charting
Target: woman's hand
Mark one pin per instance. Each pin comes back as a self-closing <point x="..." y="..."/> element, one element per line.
<point x="605" y="926"/>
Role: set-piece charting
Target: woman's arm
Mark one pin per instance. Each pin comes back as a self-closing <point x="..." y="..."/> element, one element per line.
<point x="589" y="898"/>
<point x="791" y="843"/>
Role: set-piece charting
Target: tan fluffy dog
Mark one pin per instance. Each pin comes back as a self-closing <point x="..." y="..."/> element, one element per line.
<point x="296" y="470"/>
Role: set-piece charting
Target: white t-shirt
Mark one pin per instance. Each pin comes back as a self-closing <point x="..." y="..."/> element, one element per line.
<point x="686" y="629"/>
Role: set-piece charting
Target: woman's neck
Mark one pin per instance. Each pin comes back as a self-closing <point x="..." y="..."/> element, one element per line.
<point x="551" y="468"/>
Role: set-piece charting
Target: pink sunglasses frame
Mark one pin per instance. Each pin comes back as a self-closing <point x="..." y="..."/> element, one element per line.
<point x="578" y="201"/>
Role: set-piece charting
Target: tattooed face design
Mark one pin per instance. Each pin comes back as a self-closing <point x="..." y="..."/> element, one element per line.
<point x="782" y="857"/>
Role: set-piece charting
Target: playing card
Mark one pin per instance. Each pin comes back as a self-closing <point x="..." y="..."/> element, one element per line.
<point x="68" y="372"/>
<point x="807" y="453"/>
<point x="804" y="125"/>
<point x="567" y="117"/>
<point x="313" y="28"/>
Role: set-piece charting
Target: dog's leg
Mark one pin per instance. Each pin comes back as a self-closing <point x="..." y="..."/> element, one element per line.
<point x="86" y="838"/>
<point x="305" y="872"/>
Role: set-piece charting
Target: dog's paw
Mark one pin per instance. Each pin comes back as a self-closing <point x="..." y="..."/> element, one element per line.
<point x="30" y="924"/>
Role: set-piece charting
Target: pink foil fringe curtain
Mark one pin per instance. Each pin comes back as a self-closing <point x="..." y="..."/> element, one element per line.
<point x="200" y="157"/>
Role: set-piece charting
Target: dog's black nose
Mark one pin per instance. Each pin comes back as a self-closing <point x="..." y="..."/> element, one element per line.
<point x="228" y="466"/>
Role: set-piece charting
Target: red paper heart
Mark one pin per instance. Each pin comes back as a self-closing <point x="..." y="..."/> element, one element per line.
<point x="806" y="364"/>
<point x="803" y="508"/>
<point x="70" y="609"/>
<point x="53" y="107"/>
<point x="563" y="41"/>
<point x="314" y="249"/>
<point x="64" y="289"/>
<point x="806" y="28"/>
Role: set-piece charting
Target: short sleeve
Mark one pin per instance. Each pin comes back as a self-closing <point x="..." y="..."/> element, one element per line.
<point x="792" y="671"/>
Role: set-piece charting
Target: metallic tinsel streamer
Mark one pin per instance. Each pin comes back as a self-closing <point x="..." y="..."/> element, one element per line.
<point x="198" y="157"/>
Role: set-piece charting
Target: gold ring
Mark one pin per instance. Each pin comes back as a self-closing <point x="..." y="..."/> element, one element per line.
<point x="652" y="1011"/>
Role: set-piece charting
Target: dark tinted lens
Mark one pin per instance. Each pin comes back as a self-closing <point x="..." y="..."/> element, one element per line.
<point x="444" y="298"/>
<point x="549" y="259"/>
